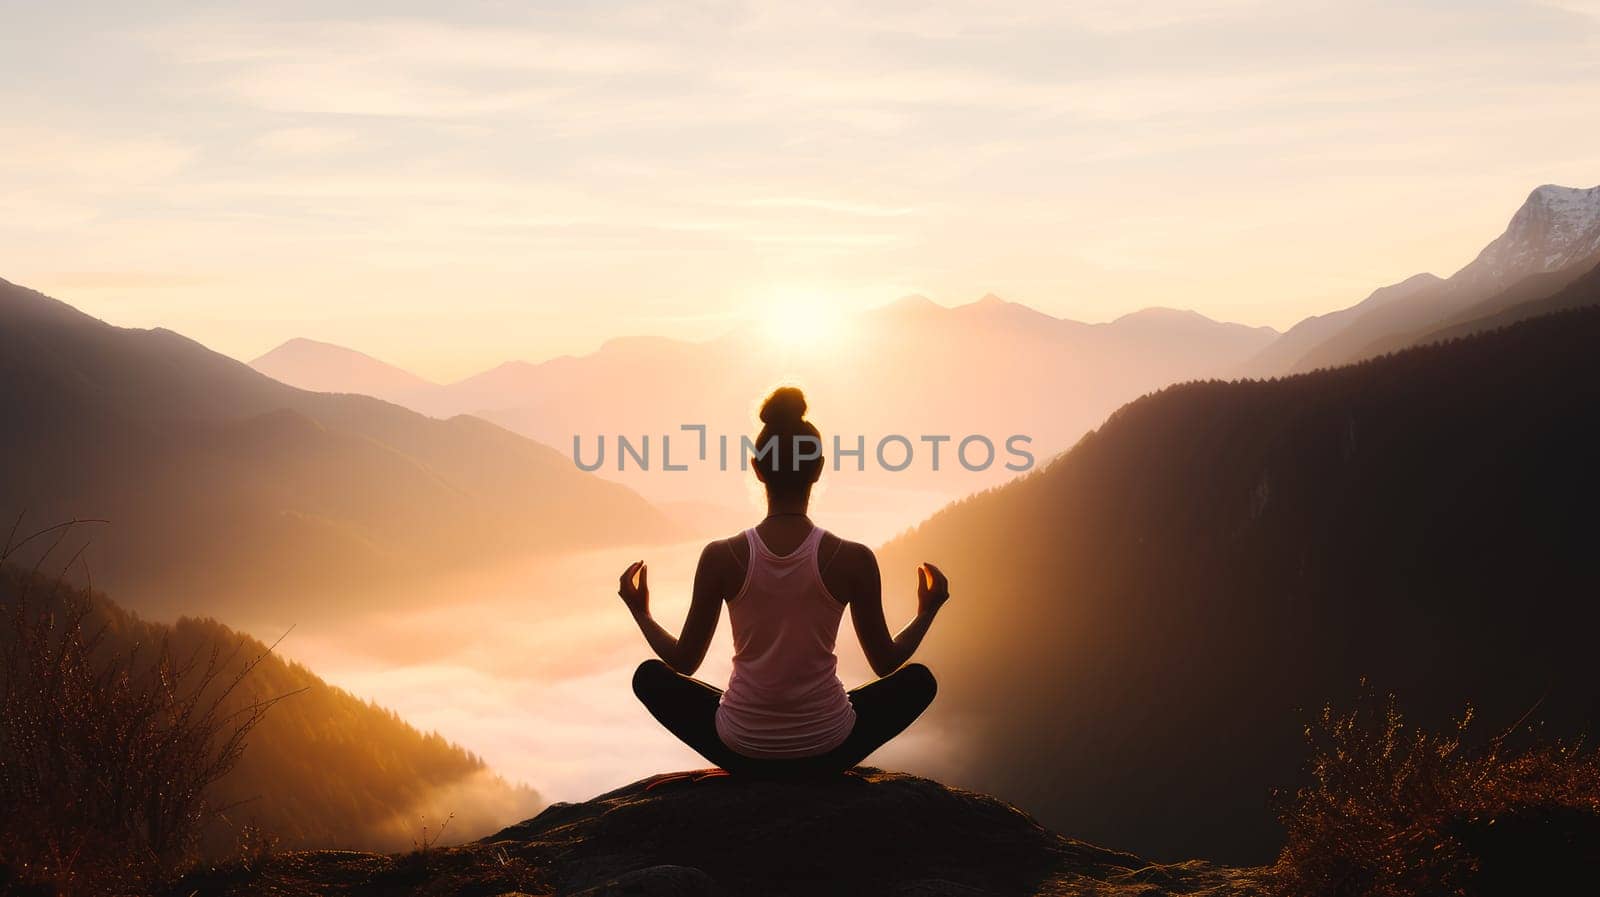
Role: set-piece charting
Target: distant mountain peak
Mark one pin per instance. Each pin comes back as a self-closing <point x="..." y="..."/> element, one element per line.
<point x="994" y="310"/>
<point x="1397" y="291"/>
<point x="989" y="302"/>
<point x="326" y="367"/>
<point x="1181" y="319"/>
<point x="911" y="307"/>
<point x="1416" y="280"/>
<point x="913" y="302"/>
<point x="1162" y="313"/>
<point x="302" y="342"/>
<point x="1572" y="213"/>
<point x="305" y="346"/>
<point x="641" y="342"/>
<point x="1555" y="227"/>
<point x="1560" y="193"/>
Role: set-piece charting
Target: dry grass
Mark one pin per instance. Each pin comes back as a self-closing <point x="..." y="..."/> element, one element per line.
<point x="105" y="759"/>
<point x="1394" y="810"/>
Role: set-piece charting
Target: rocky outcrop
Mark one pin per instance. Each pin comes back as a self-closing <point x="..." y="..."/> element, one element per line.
<point x="706" y="835"/>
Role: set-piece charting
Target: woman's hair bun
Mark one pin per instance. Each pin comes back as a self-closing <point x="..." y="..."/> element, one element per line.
<point x="786" y="407"/>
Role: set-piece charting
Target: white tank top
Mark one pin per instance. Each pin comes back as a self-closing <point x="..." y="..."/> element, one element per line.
<point x="784" y="698"/>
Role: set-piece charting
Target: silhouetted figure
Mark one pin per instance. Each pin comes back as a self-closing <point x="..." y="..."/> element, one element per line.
<point x="786" y="583"/>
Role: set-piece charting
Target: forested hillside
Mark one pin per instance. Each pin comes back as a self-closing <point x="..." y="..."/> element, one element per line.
<point x="1139" y="631"/>
<point x="323" y="768"/>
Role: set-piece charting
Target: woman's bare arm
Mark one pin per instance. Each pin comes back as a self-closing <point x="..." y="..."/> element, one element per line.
<point x="685" y="652"/>
<point x="884" y="653"/>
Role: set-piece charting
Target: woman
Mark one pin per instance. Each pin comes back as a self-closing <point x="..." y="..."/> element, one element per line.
<point x="786" y="583"/>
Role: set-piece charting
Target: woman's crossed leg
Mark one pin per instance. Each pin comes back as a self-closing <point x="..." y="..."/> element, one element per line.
<point x="687" y="707"/>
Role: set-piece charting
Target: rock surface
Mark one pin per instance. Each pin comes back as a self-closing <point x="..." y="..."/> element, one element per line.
<point x="703" y="835"/>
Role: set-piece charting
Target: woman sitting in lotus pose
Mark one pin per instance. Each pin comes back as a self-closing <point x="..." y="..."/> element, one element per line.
<point x="786" y="583"/>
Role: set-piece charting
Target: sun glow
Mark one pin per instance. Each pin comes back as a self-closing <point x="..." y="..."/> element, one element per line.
<point x="803" y="320"/>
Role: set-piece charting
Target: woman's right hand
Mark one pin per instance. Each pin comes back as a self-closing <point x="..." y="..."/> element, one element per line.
<point x="933" y="589"/>
<point x="635" y="594"/>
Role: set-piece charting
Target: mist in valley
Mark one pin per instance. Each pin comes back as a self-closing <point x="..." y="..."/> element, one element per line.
<point x="529" y="662"/>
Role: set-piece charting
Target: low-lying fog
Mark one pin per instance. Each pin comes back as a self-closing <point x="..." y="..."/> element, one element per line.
<point x="528" y="664"/>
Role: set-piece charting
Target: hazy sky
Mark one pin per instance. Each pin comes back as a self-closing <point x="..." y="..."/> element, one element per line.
<point x="451" y="185"/>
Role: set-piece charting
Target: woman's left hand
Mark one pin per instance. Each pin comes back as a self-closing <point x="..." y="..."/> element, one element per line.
<point x="933" y="589"/>
<point x="634" y="588"/>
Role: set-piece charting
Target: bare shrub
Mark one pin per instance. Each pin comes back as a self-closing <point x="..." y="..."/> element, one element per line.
<point x="105" y="758"/>
<point x="1394" y="810"/>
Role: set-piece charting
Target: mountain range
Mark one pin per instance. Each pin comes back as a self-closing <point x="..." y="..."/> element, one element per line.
<point x="1139" y="631"/>
<point x="991" y="367"/>
<point x="1551" y="239"/>
<point x="225" y="488"/>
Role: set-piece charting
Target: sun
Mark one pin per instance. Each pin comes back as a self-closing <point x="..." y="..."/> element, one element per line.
<point x="796" y="319"/>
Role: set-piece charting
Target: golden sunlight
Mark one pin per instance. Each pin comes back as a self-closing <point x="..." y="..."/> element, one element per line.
<point x="800" y="319"/>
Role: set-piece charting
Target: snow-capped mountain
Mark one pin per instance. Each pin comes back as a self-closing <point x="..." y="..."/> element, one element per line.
<point x="1555" y="227"/>
<point x="1552" y="239"/>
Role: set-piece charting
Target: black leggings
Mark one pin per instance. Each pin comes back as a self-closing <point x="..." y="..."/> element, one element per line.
<point x="687" y="707"/>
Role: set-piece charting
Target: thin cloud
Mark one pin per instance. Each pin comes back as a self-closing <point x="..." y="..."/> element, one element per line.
<point x="1103" y="155"/>
<point x="309" y="141"/>
<point x="865" y="210"/>
<point x="125" y="280"/>
<point x="84" y="160"/>
<point x="402" y="68"/>
<point x="824" y="240"/>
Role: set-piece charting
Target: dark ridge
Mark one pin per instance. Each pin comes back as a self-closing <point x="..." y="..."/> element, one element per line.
<point x="1140" y="630"/>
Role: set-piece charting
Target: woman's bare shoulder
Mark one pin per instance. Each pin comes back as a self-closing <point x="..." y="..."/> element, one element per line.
<point x="722" y="564"/>
<point x="847" y="555"/>
<point x="732" y="552"/>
